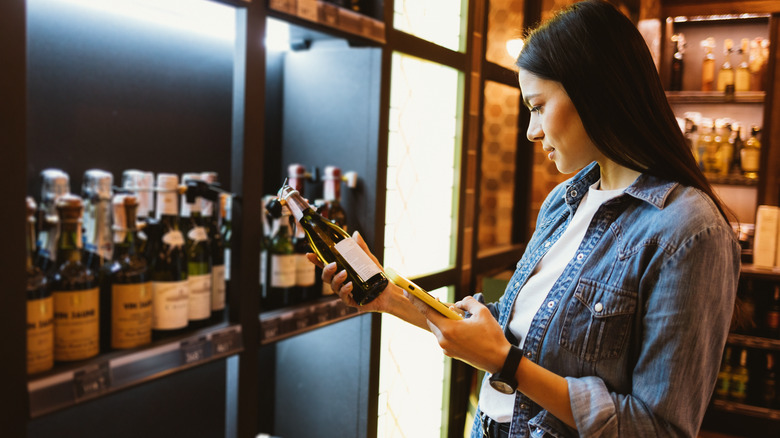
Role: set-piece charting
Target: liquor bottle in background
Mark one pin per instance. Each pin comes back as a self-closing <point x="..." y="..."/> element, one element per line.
<point x="726" y="72"/>
<point x="198" y="251"/>
<point x="141" y="184"/>
<point x="226" y="231"/>
<point x="740" y="376"/>
<point x="54" y="184"/>
<point x="96" y="191"/>
<point x="321" y="208"/>
<point x="735" y="141"/>
<point x="750" y="155"/>
<point x="724" y="376"/>
<point x="742" y="76"/>
<point x="331" y="243"/>
<point x="677" y="62"/>
<point x="168" y="263"/>
<point x="281" y="268"/>
<point x="724" y="148"/>
<point x="331" y="191"/>
<point x="126" y="298"/>
<point x="708" y="65"/>
<point x="708" y="148"/>
<point x="268" y="224"/>
<point x="40" y="305"/>
<point x="769" y="386"/>
<point x="75" y="290"/>
<point x="212" y="215"/>
<point x="305" y="271"/>
<point x="772" y="317"/>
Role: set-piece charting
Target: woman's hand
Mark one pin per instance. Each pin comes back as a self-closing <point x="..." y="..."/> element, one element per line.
<point x="477" y="340"/>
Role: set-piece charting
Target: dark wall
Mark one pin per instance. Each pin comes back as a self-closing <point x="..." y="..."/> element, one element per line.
<point x="116" y="92"/>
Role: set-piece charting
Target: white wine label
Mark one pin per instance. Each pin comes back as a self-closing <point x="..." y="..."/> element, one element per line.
<point x="200" y="296"/>
<point x="173" y="238"/>
<point x="76" y="326"/>
<point x="263" y="266"/>
<point x="198" y="234"/>
<point x="131" y="315"/>
<point x="218" y="287"/>
<point x="170" y="304"/>
<point x="227" y="264"/>
<point x="364" y="267"/>
<point x="305" y="274"/>
<point x="282" y="270"/>
<point x="40" y="335"/>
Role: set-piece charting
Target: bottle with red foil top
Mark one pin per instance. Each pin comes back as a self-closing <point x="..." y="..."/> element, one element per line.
<point x="332" y="194"/>
<point x="331" y="243"/>
<point x="306" y="287"/>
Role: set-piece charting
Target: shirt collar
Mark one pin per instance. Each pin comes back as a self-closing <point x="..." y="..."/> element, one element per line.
<point x="648" y="188"/>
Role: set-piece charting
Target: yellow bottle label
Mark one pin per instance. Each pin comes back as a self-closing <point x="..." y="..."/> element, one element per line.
<point x="76" y="327"/>
<point x="40" y="335"/>
<point x="131" y="315"/>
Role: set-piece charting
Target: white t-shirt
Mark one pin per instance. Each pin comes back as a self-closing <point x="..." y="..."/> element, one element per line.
<point x="530" y="298"/>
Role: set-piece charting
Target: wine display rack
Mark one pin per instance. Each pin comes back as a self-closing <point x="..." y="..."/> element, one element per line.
<point x="332" y="17"/>
<point x="283" y="323"/>
<point x="108" y="373"/>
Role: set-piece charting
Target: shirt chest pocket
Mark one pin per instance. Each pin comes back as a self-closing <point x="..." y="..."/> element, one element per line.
<point x="598" y="320"/>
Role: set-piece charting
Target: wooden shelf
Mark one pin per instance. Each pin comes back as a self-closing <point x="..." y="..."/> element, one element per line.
<point x="732" y="180"/>
<point x="745" y="409"/>
<point x="283" y="323"/>
<point x="761" y="273"/>
<point x="714" y="97"/>
<point x="329" y="16"/>
<point x="754" y="342"/>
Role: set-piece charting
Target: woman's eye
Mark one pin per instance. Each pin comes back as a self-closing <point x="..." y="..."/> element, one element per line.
<point x="534" y="109"/>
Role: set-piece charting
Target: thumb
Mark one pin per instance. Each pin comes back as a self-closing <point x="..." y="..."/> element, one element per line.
<point x="469" y="304"/>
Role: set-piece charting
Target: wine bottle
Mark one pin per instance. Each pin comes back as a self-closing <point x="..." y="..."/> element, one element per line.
<point x="677" y="62"/>
<point x="708" y="65"/>
<point x="724" y="376"/>
<point x="98" y="242"/>
<point x="141" y="184"/>
<point x="331" y="243"/>
<point x="750" y="155"/>
<point x="212" y="215"/>
<point x="54" y="184"/>
<point x="40" y="305"/>
<point x="742" y="77"/>
<point x="740" y="376"/>
<point x="226" y="230"/>
<point x="331" y="191"/>
<point x="305" y="272"/>
<point x="281" y="273"/>
<point x="75" y="290"/>
<point x="168" y="263"/>
<point x="726" y="72"/>
<point x="735" y="140"/>
<point x="769" y="386"/>
<point x="198" y="252"/>
<point x="321" y="208"/>
<point x="772" y="318"/>
<point x="126" y="300"/>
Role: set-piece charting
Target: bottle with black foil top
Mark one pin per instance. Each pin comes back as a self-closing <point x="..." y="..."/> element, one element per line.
<point x="198" y="250"/>
<point x="331" y="243"/>
<point x="40" y="306"/>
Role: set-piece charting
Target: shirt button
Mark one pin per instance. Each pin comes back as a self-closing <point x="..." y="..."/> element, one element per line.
<point x="580" y="256"/>
<point x="598" y="307"/>
<point x="573" y="193"/>
<point x="546" y="244"/>
<point x="551" y="304"/>
<point x="528" y="354"/>
<point x="523" y="406"/>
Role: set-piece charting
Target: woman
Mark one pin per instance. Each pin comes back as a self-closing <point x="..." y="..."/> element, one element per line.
<point x="617" y="315"/>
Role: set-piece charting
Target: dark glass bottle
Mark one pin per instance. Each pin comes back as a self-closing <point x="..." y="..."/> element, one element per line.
<point x="281" y="267"/>
<point x="331" y="243"/>
<point x="75" y="290"/>
<point x="54" y="184"/>
<point x="198" y="251"/>
<point x="306" y="284"/>
<point x="212" y="216"/>
<point x="141" y="184"/>
<point x="226" y="230"/>
<point x="332" y="194"/>
<point x="126" y="297"/>
<point x="772" y="317"/>
<point x="724" y="376"/>
<point x="740" y="376"/>
<point x="677" y="62"/>
<point x="769" y="387"/>
<point x="98" y="242"/>
<point x="40" y="306"/>
<point x="168" y="263"/>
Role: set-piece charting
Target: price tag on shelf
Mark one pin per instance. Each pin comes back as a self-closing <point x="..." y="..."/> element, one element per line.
<point x="92" y="380"/>
<point x="226" y="342"/>
<point x="194" y="350"/>
<point x="307" y="9"/>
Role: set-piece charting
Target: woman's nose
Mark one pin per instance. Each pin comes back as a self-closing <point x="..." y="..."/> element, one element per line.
<point x="534" y="132"/>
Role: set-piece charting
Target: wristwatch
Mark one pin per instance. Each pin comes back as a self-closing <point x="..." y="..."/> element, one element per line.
<point x="505" y="381"/>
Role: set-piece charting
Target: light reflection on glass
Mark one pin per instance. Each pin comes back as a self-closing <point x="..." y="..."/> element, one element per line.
<point x="442" y="22"/>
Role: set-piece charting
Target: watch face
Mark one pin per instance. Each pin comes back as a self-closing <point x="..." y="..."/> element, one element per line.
<point x="502" y="387"/>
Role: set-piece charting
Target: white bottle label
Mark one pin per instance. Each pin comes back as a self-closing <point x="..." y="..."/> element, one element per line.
<point x="227" y="264"/>
<point x="218" y="287"/>
<point x="170" y="303"/>
<point x="263" y="266"/>
<point x="198" y="234"/>
<point x="200" y="296"/>
<point x="173" y="238"/>
<point x="357" y="258"/>
<point x="282" y="270"/>
<point x="305" y="274"/>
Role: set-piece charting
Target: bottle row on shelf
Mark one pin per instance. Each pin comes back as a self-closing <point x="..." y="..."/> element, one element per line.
<point x="749" y="377"/>
<point x="722" y="147"/>
<point x="750" y="74"/>
<point x="116" y="268"/>
<point x="760" y="306"/>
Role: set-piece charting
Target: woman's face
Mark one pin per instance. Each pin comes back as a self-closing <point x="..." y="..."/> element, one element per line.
<point x="556" y="124"/>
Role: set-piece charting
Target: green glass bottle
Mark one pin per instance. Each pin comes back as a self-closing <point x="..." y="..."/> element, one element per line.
<point x="168" y="263"/>
<point x="740" y="376"/>
<point x="281" y="266"/>
<point x="198" y="251"/>
<point x="40" y="306"/>
<point x="75" y="290"/>
<point x="126" y="298"/>
<point x="331" y="243"/>
<point x="54" y="184"/>
<point x="724" y="376"/>
<point x="212" y="215"/>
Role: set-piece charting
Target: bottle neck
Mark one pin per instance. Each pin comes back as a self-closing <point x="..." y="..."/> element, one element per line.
<point x="98" y="228"/>
<point x="69" y="242"/>
<point x="31" y="243"/>
<point x="332" y="190"/>
<point x="297" y="205"/>
<point x="167" y="204"/>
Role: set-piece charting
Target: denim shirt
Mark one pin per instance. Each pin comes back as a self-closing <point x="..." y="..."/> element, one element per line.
<point x="638" y="319"/>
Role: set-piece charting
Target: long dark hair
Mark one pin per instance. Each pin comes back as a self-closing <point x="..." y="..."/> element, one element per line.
<point x="603" y="63"/>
